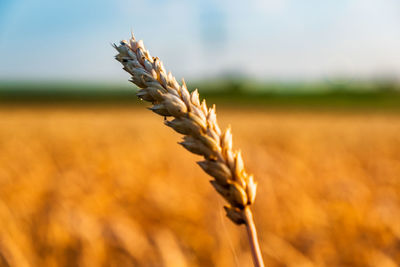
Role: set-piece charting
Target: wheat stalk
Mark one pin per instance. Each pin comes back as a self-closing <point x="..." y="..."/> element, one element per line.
<point x="202" y="135"/>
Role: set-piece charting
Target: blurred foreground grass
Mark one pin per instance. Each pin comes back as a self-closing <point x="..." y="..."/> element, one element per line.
<point x="110" y="187"/>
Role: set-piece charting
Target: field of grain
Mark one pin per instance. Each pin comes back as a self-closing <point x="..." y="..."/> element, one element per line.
<point x="111" y="187"/>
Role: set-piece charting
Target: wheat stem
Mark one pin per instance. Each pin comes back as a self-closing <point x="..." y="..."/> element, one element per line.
<point x="253" y="239"/>
<point x="198" y="124"/>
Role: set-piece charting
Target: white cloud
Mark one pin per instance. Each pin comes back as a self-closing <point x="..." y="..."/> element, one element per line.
<point x="268" y="6"/>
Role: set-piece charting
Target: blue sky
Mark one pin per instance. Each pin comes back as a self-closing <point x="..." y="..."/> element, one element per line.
<point x="271" y="39"/>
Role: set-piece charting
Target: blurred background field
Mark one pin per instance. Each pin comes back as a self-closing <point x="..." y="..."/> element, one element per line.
<point x="106" y="186"/>
<point x="89" y="177"/>
<point x="374" y="96"/>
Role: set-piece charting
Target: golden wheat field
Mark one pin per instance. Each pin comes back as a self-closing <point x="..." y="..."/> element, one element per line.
<point x="111" y="187"/>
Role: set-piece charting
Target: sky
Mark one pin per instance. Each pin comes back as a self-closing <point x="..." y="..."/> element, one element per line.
<point x="198" y="39"/>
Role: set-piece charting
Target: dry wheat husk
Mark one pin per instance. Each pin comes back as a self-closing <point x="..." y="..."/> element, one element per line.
<point x="191" y="117"/>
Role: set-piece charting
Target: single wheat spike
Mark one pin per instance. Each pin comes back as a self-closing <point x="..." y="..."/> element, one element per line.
<point x="202" y="135"/>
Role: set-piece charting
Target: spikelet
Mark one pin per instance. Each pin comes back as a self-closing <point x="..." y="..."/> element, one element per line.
<point x="195" y="121"/>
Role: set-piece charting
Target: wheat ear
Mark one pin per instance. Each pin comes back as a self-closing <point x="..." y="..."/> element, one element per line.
<point x="202" y="135"/>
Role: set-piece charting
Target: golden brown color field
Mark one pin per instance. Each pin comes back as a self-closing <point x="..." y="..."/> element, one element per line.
<point x="111" y="187"/>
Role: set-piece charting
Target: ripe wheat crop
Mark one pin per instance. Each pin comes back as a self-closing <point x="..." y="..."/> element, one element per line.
<point x="104" y="187"/>
<point x="202" y="134"/>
